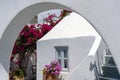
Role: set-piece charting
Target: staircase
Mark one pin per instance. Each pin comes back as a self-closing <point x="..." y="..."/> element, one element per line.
<point x="109" y="69"/>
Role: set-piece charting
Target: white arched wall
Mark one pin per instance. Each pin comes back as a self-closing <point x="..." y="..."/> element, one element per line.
<point x="15" y="26"/>
<point x="103" y="14"/>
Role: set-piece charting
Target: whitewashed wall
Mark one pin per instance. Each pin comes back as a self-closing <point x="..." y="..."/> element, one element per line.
<point x="3" y="73"/>
<point x="103" y="14"/>
<point x="78" y="49"/>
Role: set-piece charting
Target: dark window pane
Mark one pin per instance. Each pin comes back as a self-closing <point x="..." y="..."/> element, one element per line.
<point x="65" y="63"/>
<point x="65" y="54"/>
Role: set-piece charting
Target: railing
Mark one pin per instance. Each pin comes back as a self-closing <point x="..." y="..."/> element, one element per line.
<point x="100" y="59"/>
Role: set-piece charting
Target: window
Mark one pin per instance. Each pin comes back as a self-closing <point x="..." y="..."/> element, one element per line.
<point x="62" y="56"/>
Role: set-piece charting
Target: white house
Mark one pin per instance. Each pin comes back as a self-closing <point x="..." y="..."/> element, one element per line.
<point x="80" y="50"/>
<point x="69" y="42"/>
<point x="69" y="52"/>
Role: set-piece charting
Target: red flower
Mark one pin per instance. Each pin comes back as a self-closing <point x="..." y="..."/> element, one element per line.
<point x="50" y="17"/>
<point x="18" y="62"/>
<point x="26" y="28"/>
<point x="31" y="33"/>
<point x="29" y="41"/>
<point x="20" y="48"/>
<point x="11" y="59"/>
<point x="38" y="34"/>
<point x="32" y="26"/>
<point x="14" y="51"/>
<point x="45" y="28"/>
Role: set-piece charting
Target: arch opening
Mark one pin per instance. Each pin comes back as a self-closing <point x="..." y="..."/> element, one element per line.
<point x="21" y="20"/>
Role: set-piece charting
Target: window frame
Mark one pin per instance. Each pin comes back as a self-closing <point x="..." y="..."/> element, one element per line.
<point x="62" y="57"/>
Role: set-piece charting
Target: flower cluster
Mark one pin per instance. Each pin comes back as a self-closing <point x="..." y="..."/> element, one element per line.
<point x="26" y="41"/>
<point x="53" y="68"/>
<point x="25" y="44"/>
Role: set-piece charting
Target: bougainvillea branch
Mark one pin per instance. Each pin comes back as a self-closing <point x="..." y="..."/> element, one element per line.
<point x="26" y="41"/>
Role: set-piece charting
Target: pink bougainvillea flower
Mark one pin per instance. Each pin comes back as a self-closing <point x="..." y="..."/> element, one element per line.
<point x="29" y="41"/>
<point x="50" y="17"/>
<point x="32" y="26"/>
<point x="12" y="57"/>
<point x="45" y="28"/>
<point x="27" y="38"/>
<point x="53" y="68"/>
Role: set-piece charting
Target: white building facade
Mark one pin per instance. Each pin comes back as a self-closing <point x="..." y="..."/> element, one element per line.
<point x="70" y="42"/>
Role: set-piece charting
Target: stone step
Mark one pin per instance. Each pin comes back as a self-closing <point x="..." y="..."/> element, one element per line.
<point x="107" y="78"/>
<point x="110" y="71"/>
<point x="109" y="60"/>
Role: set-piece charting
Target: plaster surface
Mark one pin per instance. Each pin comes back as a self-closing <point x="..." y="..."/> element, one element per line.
<point x="78" y="49"/>
<point x="104" y="15"/>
